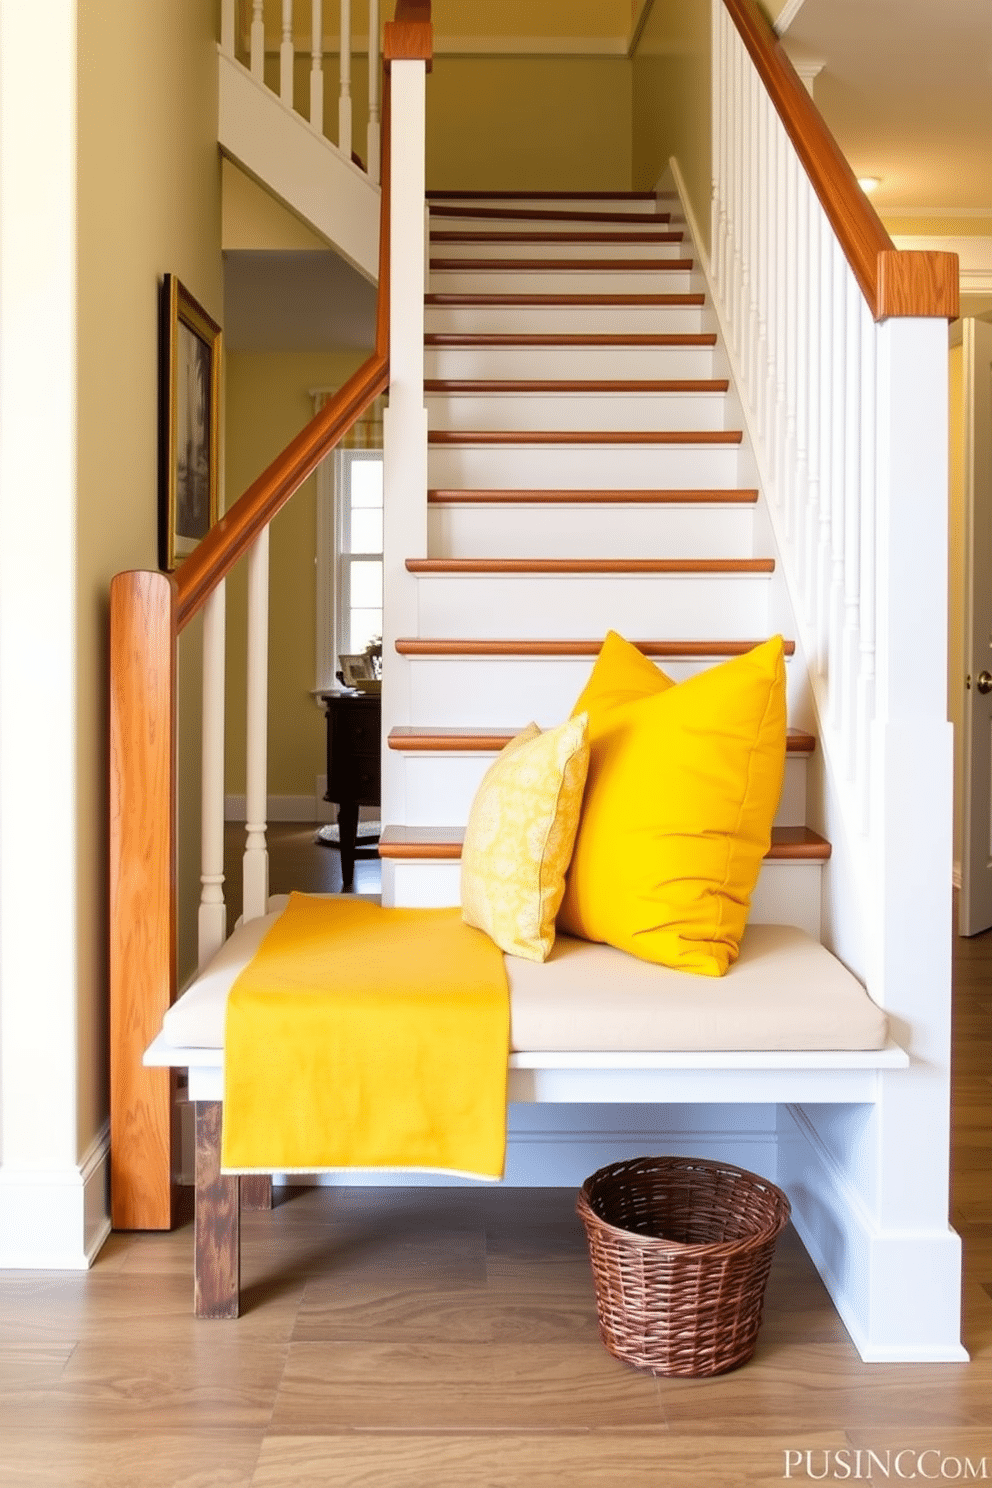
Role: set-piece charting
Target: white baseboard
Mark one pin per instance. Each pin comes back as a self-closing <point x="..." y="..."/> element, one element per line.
<point x="56" y="1219"/>
<point x="898" y="1293"/>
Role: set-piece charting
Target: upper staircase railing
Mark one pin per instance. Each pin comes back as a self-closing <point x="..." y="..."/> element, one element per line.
<point x="243" y="36"/>
<point x="147" y="613"/>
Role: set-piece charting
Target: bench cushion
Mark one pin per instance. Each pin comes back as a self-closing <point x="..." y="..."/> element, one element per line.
<point x="785" y="991"/>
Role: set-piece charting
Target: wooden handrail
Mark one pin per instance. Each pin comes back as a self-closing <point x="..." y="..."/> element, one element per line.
<point x="231" y="537"/>
<point x="147" y="611"/>
<point x="893" y="283"/>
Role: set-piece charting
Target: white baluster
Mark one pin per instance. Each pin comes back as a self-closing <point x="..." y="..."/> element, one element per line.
<point x="839" y="369"/>
<point x="788" y="483"/>
<point x="317" y="65"/>
<point x="344" y="98"/>
<point x="801" y="494"/>
<point x="866" y="609"/>
<point x="846" y="710"/>
<point x="212" y="919"/>
<point x="257" y="41"/>
<point x="821" y="573"/>
<point x="256" y="858"/>
<point x="807" y="584"/>
<point x="374" y="134"/>
<point x="227" y="26"/>
<point x="286" y="55"/>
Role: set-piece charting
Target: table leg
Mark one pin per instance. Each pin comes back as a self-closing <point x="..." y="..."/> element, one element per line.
<point x="217" y="1226"/>
<point x="348" y="835"/>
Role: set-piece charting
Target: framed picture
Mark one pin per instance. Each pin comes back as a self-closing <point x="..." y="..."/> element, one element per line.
<point x="189" y="422"/>
<point x="355" y="670"/>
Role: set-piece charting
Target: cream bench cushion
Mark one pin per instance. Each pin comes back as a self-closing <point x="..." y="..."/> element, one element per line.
<point x="786" y="991"/>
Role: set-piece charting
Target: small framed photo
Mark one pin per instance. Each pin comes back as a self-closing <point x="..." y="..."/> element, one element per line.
<point x="355" y="670"/>
<point x="189" y="423"/>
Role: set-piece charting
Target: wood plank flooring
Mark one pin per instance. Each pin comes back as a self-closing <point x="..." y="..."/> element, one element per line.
<point x="447" y="1339"/>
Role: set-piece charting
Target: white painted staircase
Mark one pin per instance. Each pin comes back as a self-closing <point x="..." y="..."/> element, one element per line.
<point x="586" y="471"/>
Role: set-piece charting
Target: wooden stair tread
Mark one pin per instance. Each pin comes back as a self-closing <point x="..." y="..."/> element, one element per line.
<point x="548" y="566"/>
<point x="538" y="385"/>
<point x="562" y="265"/>
<point x="547" y="214"/>
<point x="411" y="739"/>
<point x="789" y="844"/>
<point x="466" y="301"/>
<point x="577" y="338"/>
<point x="557" y="235"/>
<point x="720" y="496"/>
<point x="486" y="646"/>
<point x="585" y="436"/>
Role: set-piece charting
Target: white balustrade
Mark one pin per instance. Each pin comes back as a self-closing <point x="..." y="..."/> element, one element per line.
<point x="805" y="348"/>
<point x="292" y="15"/>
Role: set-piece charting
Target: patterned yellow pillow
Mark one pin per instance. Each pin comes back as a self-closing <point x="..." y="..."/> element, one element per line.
<point x="519" y="837"/>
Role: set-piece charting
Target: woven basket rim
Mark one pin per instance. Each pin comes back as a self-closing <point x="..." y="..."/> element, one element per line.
<point x="716" y="1249"/>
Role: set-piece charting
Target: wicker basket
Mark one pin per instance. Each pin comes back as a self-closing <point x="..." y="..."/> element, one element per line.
<point x="681" y="1249"/>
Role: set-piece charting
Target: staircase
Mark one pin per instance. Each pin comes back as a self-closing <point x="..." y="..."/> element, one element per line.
<point x="586" y="472"/>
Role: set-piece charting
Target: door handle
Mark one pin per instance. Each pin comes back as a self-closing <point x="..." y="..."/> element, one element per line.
<point x="984" y="682"/>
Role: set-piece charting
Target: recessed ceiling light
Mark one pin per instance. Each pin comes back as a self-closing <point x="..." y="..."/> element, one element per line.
<point x="869" y="184"/>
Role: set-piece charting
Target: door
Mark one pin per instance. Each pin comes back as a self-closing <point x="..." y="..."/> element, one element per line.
<point x="975" y="909"/>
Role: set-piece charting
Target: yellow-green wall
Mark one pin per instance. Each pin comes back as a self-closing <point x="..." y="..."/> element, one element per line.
<point x="671" y="101"/>
<point x="267" y="403"/>
<point x="148" y="202"/>
<point x="529" y="123"/>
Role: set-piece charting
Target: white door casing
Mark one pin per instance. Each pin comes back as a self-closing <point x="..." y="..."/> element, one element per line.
<point x="975" y="911"/>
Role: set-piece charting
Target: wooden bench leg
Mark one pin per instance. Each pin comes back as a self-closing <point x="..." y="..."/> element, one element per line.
<point x="256" y="1191"/>
<point x="217" y="1226"/>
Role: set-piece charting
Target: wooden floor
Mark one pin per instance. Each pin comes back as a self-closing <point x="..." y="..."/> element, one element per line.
<point x="447" y="1339"/>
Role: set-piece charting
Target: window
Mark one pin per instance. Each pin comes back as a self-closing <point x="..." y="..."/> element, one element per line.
<point x="348" y="545"/>
<point x="358" y="550"/>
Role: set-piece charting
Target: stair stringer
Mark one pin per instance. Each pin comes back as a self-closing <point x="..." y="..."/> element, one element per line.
<point x="874" y="1240"/>
<point x="305" y="172"/>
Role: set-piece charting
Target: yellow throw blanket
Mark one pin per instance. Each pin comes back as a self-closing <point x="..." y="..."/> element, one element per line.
<point x="367" y="1037"/>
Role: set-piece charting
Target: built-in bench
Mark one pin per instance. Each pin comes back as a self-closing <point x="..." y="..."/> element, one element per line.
<point x="788" y="1023"/>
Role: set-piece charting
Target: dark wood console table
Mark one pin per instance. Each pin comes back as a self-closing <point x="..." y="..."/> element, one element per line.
<point x="353" y="764"/>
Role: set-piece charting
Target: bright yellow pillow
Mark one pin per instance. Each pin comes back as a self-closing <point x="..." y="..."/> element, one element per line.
<point x="519" y="837"/>
<point x="681" y="794"/>
<point x="621" y="674"/>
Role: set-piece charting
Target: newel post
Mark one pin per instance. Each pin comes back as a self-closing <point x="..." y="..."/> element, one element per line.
<point x="142" y="950"/>
<point x="407" y="53"/>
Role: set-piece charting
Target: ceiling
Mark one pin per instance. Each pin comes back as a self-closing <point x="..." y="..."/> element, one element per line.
<point x="906" y="88"/>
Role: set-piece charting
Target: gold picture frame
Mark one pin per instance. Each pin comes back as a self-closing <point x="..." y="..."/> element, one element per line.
<point x="189" y="422"/>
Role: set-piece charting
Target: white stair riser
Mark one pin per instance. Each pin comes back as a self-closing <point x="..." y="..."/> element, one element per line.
<point x="557" y="250"/>
<point x="560" y="606"/>
<point x="574" y="281"/>
<point x="630" y="411"/>
<point x="787" y="893"/>
<point x="648" y="320"/>
<point x="585" y="467"/>
<point x="650" y="207"/>
<point x="590" y="531"/>
<point x="475" y="692"/>
<point x="623" y="362"/>
<point x="440" y="787"/>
